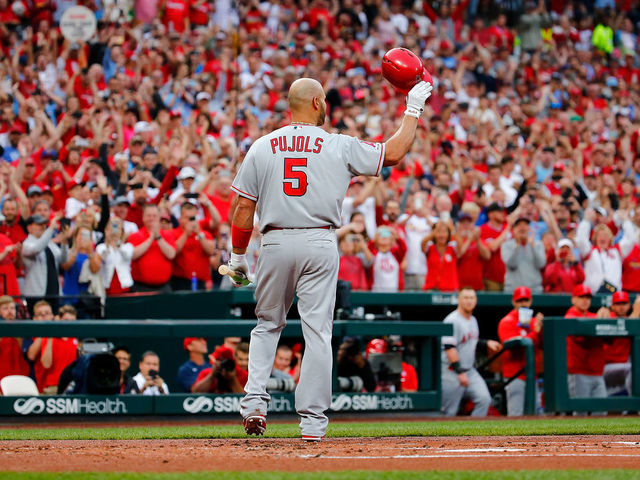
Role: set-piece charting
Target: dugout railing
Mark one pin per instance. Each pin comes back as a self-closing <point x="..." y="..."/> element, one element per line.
<point x="556" y="388"/>
<point x="427" y="334"/>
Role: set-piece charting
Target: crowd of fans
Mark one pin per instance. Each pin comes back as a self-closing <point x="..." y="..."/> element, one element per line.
<point x="118" y="153"/>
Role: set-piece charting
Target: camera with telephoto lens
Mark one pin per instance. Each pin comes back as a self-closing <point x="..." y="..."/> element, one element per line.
<point x="281" y="384"/>
<point x="351" y="384"/>
<point x="153" y="374"/>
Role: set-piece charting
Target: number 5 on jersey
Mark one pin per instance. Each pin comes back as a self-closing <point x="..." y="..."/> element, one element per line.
<point x="295" y="181"/>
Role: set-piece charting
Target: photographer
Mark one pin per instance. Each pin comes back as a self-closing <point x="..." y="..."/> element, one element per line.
<point x="148" y="380"/>
<point x="353" y="369"/>
<point x="224" y="376"/>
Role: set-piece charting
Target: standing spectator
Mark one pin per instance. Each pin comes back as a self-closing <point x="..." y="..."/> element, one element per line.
<point x="416" y="228"/>
<point x="41" y="259"/>
<point x="388" y="258"/>
<point x="494" y="233"/>
<point x="123" y="355"/>
<point x="12" y="361"/>
<point x="193" y="249"/>
<point x="472" y="253"/>
<point x="524" y="257"/>
<point x="116" y="258"/>
<point x="120" y="208"/>
<point x="459" y="378"/>
<point x="602" y="260"/>
<point x="189" y="370"/>
<point x="518" y="323"/>
<point x="81" y="251"/>
<point x="530" y="24"/>
<point x="148" y="380"/>
<point x="442" y="259"/>
<point x="565" y="273"/>
<point x="585" y="355"/>
<point x="355" y="256"/>
<point x="8" y="274"/>
<point x="154" y="249"/>
<point x="617" y="352"/>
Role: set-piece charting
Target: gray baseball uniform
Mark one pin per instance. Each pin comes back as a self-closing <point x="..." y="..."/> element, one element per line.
<point x="464" y="339"/>
<point x="298" y="175"/>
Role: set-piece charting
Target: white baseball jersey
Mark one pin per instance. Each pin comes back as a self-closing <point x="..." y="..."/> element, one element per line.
<point x="416" y="229"/>
<point x="464" y="338"/>
<point x="299" y="175"/>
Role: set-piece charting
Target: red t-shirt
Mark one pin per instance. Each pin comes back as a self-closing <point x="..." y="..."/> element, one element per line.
<point x="470" y="267"/>
<point x="557" y="278"/>
<point x="152" y="268"/>
<point x="494" y="268"/>
<point x="513" y="360"/>
<point x="12" y="362"/>
<point x="8" y="274"/>
<point x="15" y="232"/>
<point x="617" y="350"/>
<point x="64" y="351"/>
<point x="199" y="14"/>
<point x="175" y="12"/>
<point x="134" y="214"/>
<point x="585" y="355"/>
<point x="191" y="258"/>
<point x="242" y="375"/>
<point x="442" y="271"/>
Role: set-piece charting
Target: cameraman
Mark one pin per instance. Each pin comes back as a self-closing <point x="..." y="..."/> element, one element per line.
<point x="147" y="380"/>
<point x="351" y="363"/>
<point x="224" y="376"/>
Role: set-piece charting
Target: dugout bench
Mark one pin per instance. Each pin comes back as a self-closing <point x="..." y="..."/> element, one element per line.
<point x="172" y="331"/>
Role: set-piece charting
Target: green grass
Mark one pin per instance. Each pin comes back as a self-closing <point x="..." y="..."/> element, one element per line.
<point x="498" y="427"/>
<point x="351" y="475"/>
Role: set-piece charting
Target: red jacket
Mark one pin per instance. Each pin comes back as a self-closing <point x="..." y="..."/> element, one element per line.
<point x="585" y="355"/>
<point x="618" y="349"/>
<point x="631" y="270"/>
<point x="557" y="278"/>
<point x="513" y="360"/>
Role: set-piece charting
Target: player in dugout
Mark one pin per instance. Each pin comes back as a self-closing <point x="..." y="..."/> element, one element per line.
<point x="518" y="323"/>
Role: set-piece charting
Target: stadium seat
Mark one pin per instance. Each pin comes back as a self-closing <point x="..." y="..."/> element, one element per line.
<point x="18" y="385"/>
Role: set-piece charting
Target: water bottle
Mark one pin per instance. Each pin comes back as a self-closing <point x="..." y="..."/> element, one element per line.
<point x="194" y="282"/>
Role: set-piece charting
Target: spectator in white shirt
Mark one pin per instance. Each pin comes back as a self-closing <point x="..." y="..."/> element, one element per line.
<point x="148" y="379"/>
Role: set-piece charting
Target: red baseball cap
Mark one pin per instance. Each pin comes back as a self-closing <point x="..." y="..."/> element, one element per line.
<point x="582" y="291"/>
<point x="620" y="297"/>
<point x="187" y="341"/>
<point x="558" y="166"/>
<point x="521" y="293"/>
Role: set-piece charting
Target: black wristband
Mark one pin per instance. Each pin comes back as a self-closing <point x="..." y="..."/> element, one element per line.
<point x="455" y="366"/>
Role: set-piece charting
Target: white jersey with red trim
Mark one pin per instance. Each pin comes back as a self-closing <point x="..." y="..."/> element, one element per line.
<point x="299" y="175"/>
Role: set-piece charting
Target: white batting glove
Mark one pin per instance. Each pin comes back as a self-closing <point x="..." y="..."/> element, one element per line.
<point x="240" y="267"/>
<point x="417" y="97"/>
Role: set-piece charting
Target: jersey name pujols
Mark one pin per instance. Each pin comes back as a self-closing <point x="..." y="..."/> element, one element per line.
<point x="296" y="143"/>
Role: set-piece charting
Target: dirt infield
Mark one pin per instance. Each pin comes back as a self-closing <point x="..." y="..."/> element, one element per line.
<point x="256" y="454"/>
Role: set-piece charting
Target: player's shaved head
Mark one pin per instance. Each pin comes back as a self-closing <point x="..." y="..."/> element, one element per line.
<point x="301" y="100"/>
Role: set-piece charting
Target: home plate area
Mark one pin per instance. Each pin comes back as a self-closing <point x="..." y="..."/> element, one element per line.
<point x="286" y="454"/>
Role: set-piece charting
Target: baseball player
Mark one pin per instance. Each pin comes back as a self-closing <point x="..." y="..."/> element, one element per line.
<point x="617" y="361"/>
<point x="518" y="323"/>
<point x="459" y="377"/>
<point x="585" y="355"/>
<point x="296" y="178"/>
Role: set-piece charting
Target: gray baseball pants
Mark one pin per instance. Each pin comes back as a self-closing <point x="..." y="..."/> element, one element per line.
<point x="453" y="393"/>
<point x="302" y="261"/>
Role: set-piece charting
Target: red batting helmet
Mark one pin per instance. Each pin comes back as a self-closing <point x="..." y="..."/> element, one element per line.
<point x="403" y="69"/>
<point x="377" y="345"/>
